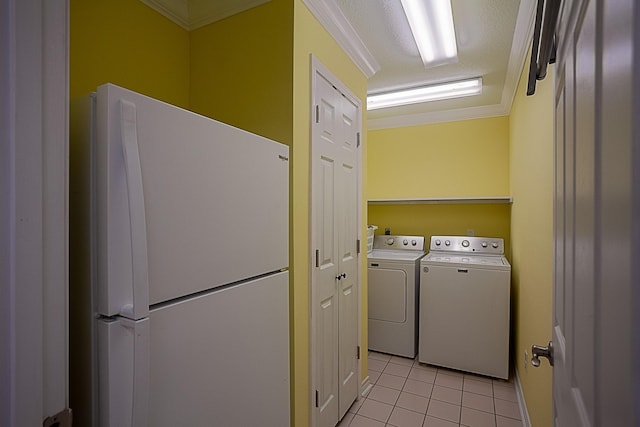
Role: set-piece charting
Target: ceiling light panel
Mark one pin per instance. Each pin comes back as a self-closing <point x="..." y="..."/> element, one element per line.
<point x="417" y="95"/>
<point x="431" y="23"/>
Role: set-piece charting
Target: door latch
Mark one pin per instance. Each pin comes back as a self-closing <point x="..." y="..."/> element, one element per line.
<point x="61" y="419"/>
<point x="538" y="351"/>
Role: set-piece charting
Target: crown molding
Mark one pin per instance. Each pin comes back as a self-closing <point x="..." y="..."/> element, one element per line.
<point x="481" y="112"/>
<point x="190" y="14"/>
<point x="522" y="36"/>
<point x="333" y="20"/>
<point x="206" y="15"/>
<point x="175" y="10"/>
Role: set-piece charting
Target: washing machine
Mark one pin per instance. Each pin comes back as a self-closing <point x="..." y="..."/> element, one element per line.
<point x="465" y="287"/>
<point x="393" y="289"/>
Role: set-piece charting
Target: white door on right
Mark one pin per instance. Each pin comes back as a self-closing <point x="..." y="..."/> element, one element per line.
<point x="597" y="209"/>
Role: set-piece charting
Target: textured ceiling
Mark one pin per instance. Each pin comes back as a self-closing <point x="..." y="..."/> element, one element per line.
<point x="485" y="31"/>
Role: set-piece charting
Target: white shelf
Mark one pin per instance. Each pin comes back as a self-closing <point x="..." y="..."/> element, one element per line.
<point x="443" y="201"/>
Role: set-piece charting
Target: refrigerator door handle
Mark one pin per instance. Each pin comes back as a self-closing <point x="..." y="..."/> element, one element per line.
<point x="140" y="392"/>
<point x="124" y="372"/>
<point x="139" y="307"/>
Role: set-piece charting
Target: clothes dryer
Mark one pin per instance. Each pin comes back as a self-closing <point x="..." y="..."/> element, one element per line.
<point x="393" y="287"/>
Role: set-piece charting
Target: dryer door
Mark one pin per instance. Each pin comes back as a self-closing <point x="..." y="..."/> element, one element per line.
<point x="387" y="295"/>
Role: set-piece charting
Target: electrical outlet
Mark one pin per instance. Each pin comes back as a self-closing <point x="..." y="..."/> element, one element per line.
<point x="526" y="360"/>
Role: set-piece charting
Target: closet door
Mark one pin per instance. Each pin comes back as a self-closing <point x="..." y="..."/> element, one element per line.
<point x="346" y="214"/>
<point x="334" y="241"/>
<point x="324" y="305"/>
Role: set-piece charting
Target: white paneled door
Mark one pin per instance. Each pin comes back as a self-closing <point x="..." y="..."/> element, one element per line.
<point x="334" y="246"/>
<point x="595" y="317"/>
<point x="573" y="336"/>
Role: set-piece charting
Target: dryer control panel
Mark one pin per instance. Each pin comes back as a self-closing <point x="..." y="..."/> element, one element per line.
<point x="395" y="243"/>
<point x="467" y="244"/>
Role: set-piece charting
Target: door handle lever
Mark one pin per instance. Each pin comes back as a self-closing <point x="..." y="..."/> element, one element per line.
<point x="538" y="351"/>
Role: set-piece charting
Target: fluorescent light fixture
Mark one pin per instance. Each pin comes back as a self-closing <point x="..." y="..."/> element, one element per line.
<point x="425" y="93"/>
<point x="431" y="23"/>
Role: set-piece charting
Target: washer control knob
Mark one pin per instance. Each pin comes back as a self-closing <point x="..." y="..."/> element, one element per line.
<point x="390" y="241"/>
<point x="438" y="242"/>
<point x="405" y="242"/>
<point x="465" y="243"/>
<point x="447" y="242"/>
<point x="413" y="243"/>
<point x="484" y="244"/>
<point x="494" y="245"/>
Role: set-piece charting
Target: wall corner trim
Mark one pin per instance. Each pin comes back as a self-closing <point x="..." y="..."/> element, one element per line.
<point x="333" y="20"/>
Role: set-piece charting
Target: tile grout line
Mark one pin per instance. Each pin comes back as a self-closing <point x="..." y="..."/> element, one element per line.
<point x="429" y="398"/>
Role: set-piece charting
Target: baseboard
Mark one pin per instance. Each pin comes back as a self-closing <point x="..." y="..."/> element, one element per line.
<point x="524" y="413"/>
<point x="365" y="387"/>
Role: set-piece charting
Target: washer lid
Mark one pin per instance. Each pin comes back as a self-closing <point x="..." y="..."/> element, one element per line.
<point x="477" y="260"/>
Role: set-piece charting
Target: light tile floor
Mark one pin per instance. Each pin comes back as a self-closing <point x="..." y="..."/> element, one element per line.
<point x="406" y="393"/>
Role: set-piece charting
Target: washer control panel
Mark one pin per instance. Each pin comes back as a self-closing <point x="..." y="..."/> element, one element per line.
<point x="415" y="243"/>
<point x="480" y="245"/>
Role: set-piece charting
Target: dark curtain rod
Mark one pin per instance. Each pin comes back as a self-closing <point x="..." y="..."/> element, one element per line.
<point x="544" y="45"/>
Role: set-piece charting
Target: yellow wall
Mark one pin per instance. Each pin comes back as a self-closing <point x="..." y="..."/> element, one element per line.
<point x="456" y="159"/>
<point x="241" y="70"/>
<point x="238" y="70"/>
<point x="311" y="38"/>
<point x="126" y="43"/>
<point x="532" y="154"/>
<point x="444" y="219"/>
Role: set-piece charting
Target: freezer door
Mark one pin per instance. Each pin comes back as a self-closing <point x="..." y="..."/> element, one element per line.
<point x="183" y="203"/>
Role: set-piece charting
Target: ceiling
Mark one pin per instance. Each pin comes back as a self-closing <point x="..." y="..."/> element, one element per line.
<point x="493" y="38"/>
<point x="485" y="32"/>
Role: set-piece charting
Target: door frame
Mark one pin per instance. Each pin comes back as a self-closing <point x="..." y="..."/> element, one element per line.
<point x="317" y="68"/>
<point x="34" y="62"/>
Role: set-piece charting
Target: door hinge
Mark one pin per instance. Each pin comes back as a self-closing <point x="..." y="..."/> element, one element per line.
<point x="61" y="419"/>
<point x="317" y="399"/>
<point x="317" y="114"/>
<point x="358" y="246"/>
<point x="317" y="258"/>
<point x="358" y="139"/>
<point x="358" y="353"/>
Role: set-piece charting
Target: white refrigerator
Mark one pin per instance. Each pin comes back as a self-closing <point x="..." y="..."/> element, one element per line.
<point x="179" y="262"/>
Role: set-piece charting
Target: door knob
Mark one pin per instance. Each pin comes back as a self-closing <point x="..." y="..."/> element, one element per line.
<point x="341" y="276"/>
<point x="538" y="351"/>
